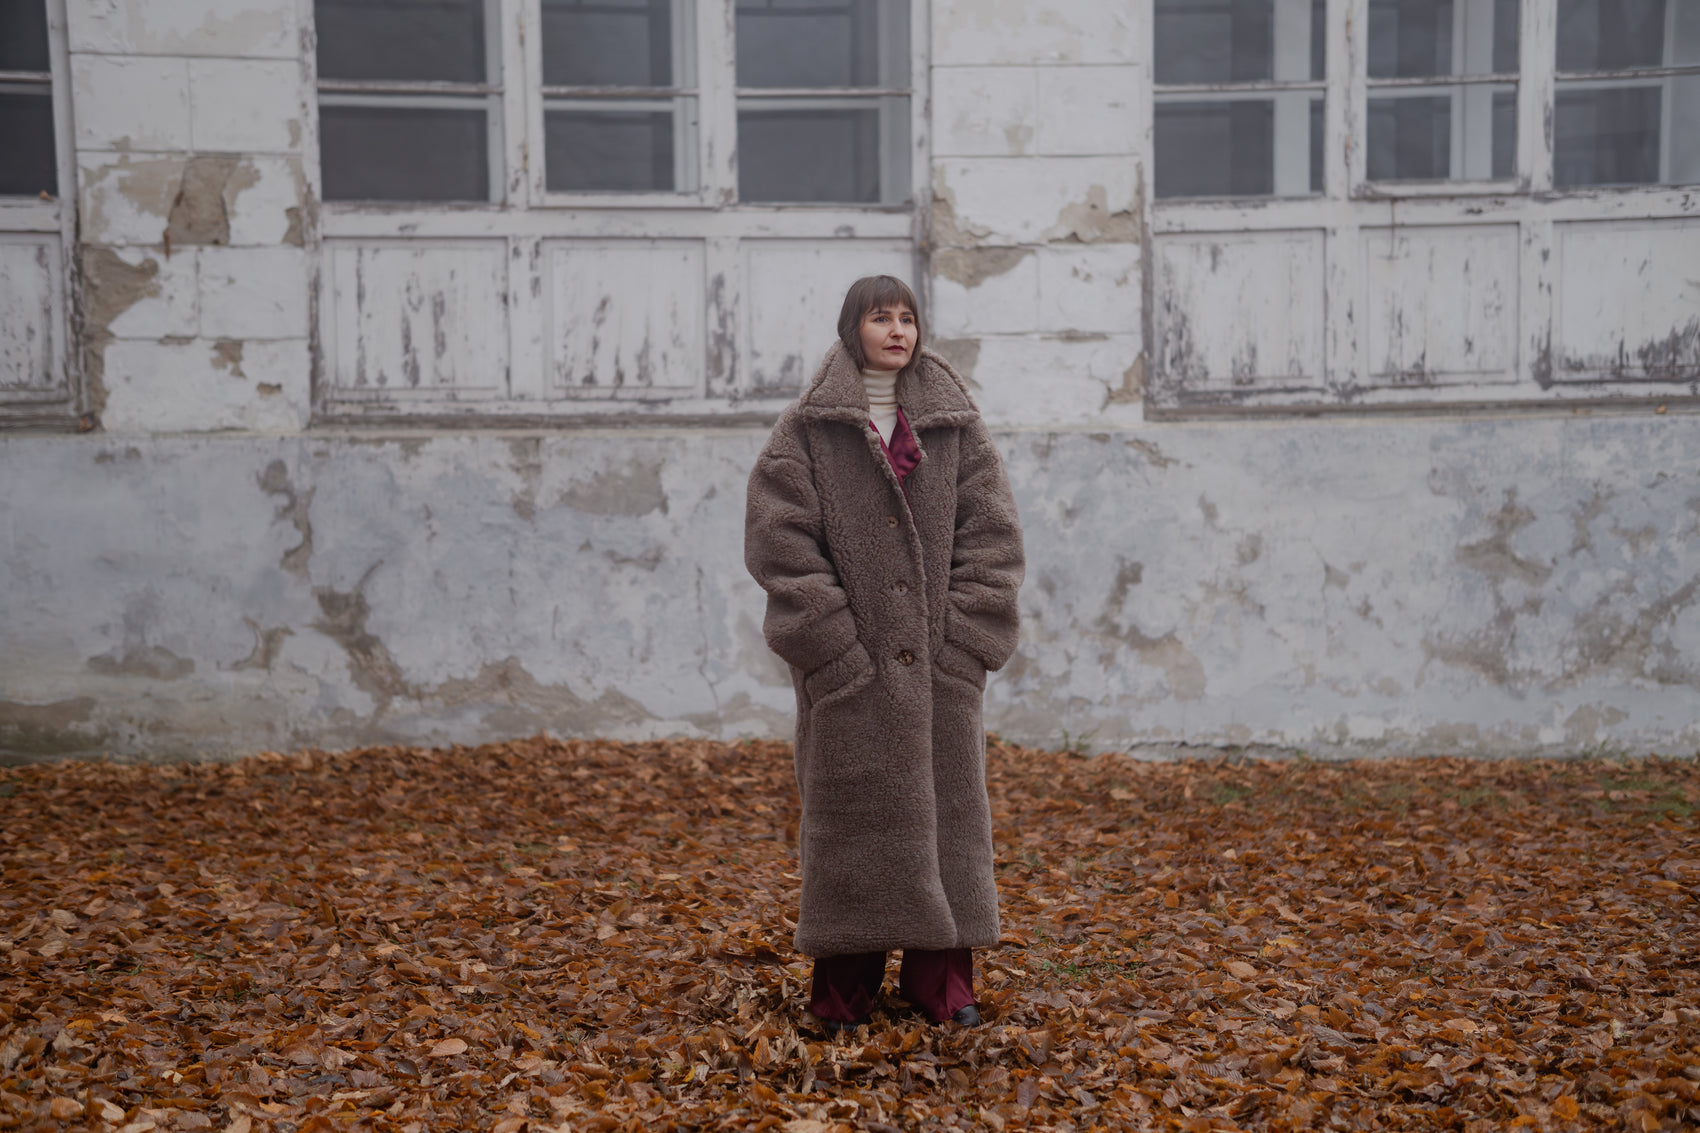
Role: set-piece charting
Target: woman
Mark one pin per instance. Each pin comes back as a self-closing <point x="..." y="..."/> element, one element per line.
<point x="881" y="524"/>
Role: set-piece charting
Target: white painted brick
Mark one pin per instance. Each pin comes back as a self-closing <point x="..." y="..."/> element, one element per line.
<point x="1006" y="302"/>
<point x="253" y="293"/>
<point x="125" y="199"/>
<point x="967" y="32"/>
<point x="246" y="105"/>
<point x="260" y="212"/>
<point x="1031" y="380"/>
<point x="130" y="104"/>
<point x="1089" y="287"/>
<point x="172" y="387"/>
<point x="279" y="374"/>
<point x="984" y="110"/>
<point x="1088" y="110"/>
<point x="174" y="308"/>
<point x="1026" y="200"/>
<point x="228" y="28"/>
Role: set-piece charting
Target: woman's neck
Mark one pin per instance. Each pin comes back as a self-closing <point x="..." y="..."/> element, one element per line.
<point x="882" y="399"/>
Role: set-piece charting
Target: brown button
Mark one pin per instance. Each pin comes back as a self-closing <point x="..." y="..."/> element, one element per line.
<point x="906" y="658"/>
<point x="891" y="521"/>
<point x="901" y="588"/>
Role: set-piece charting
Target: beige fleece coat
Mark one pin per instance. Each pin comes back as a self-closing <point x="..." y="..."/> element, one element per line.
<point x="889" y="608"/>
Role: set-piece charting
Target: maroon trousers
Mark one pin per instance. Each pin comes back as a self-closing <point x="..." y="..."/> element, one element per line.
<point x="940" y="983"/>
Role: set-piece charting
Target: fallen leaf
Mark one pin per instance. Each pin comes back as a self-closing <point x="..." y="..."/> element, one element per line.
<point x="448" y="1047"/>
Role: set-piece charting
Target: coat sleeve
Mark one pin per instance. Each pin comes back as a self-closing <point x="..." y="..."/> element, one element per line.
<point x="987" y="562"/>
<point x="808" y="621"/>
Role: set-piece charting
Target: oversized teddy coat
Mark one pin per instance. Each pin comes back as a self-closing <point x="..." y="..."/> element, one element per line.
<point x="889" y="605"/>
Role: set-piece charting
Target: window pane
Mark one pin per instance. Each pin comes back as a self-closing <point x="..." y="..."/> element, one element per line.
<point x="810" y="155"/>
<point x="609" y="151"/>
<point x="1609" y="35"/>
<point x="1215" y="41"/>
<point x="401" y="39"/>
<point x="1684" y="130"/>
<point x="626" y="43"/>
<point x="1416" y="39"/>
<point x="823" y="43"/>
<point x="1317" y="126"/>
<point x="23" y="35"/>
<point x="374" y="153"/>
<point x="1215" y="149"/>
<point x="1606" y="137"/>
<point x="26" y="140"/>
<point x="1504" y="134"/>
<point x="1410" y="139"/>
<point x="1464" y="133"/>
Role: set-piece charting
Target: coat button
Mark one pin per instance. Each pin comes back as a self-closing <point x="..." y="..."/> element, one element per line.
<point x="901" y="588"/>
<point x="891" y="521"/>
<point x="906" y="658"/>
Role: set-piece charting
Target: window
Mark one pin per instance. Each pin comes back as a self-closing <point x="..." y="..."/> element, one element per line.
<point x="26" y="101"/>
<point x="1239" y="98"/>
<point x="1384" y="203"/>
<point x="409" y="100"/>
<point x="35" y="378"/>
<point x="1442" y="90"/>
<point x="570" y="208"/>
<point x="1628" y="100"/>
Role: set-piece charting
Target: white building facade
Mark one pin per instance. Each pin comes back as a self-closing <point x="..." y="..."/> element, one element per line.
<point x="389" y="370"/>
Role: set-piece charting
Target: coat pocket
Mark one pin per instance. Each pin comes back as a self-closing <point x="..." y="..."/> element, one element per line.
<point x="960" y="665"/>
<point x="843" y="674"/>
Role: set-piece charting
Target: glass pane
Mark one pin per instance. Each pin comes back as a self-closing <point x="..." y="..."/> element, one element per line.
<point x="1684" y="130"/>
<point x="609" y="151"/>
<point x="1464" y="133"/>
<point x="1240" y="41"/>
<point x="374" y="153"/>
<point x="401" y="39"/>
<point x="1418" y="39"/>
<point x="26" y="138"/>
<point x="814" y="155"/>
<point x="23" y="35"/>
<point x="1215" y="149"/>
<point x="624" y="43"/>
<point x="1504" y="134"/>
<point x="1606" y="137"/>
<point x="1317" y="128"/>
<point x="1410" y="139"/>
<point x="1609" y="35"/>
<point x="1215" y="41"/>
<point x="823" y="43"/>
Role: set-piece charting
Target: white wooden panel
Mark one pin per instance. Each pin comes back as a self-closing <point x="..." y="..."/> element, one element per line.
<point x="1441" y="304"/>
<point x="1240" y="311"/>
<point x="625" y="317"/>
<point x="794" y="289"/>
<point x="429" y="316"/>
<point x="1628" y="301"/>
<point x="31" y="358"/>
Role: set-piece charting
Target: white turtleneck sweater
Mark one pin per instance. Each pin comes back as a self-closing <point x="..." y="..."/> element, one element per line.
<point x="882" y="400"/>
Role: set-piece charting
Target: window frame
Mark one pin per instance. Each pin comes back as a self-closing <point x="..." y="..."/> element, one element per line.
<point x="1352" y="203"/>
<point x="64" y="407"/>
<point x="527" y="214"/>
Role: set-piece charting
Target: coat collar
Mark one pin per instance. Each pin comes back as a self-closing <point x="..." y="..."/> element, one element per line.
<point x="932" y="395"/>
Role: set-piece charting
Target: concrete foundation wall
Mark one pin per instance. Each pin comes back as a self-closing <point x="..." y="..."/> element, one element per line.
<point x="1489" y="586"/>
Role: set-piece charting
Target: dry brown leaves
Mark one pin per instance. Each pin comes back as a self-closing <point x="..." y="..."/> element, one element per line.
<point x="593" y="936"/>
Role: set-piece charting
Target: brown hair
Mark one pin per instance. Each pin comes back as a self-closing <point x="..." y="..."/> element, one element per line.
<point x="870" y="293"/>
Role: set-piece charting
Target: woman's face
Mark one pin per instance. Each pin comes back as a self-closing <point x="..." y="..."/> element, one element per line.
<point x="888" y="337"/>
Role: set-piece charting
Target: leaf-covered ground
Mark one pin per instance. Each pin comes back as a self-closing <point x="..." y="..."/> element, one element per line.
<point x="594" y="936"/>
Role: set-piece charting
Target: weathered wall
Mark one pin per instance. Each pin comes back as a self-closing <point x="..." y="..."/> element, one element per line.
<point x="1491" y="586"/>
<point x="211" y="574"/>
